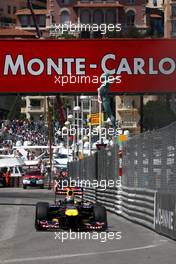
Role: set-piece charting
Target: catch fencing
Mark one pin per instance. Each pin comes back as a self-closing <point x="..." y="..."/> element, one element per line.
<point x="103" y="165"/>
<point x="146" y="194"/>
<point x="149" y="160"/>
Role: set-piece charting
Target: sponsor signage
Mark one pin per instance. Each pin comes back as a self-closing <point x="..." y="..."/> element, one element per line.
<point x="165" y="214"/>
<point x="94" y="119"/>
<point x="76" y="66"/>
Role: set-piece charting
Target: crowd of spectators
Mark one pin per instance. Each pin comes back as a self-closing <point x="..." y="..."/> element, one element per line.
<point x="35" y="132"/>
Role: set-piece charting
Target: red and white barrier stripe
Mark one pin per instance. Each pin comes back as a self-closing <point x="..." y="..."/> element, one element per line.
<point x="120" y="162"/>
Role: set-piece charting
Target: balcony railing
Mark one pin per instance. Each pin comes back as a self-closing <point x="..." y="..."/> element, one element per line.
<point x="35" y="109"/>
<point x="128" y="124"/>
<point x="126" y="107"/>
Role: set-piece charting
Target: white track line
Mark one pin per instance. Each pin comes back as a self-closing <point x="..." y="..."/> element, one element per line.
<point x="34" y="259"/>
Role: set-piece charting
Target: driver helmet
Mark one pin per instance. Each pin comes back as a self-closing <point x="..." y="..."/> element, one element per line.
<point x="69" y="200"/>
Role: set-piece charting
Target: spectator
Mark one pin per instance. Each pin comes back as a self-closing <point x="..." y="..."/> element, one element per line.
<point x="7" y="176"/>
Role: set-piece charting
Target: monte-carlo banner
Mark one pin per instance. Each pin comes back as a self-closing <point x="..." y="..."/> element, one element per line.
<point x="78" y="66"/>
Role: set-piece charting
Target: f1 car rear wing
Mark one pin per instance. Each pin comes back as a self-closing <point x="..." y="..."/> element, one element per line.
<point x="69" y="191"/>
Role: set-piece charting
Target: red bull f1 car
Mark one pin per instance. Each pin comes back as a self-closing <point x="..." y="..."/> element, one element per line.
<point x="70" y="214"/>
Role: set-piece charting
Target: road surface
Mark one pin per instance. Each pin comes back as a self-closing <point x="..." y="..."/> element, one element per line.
<point x="124" y="243"/>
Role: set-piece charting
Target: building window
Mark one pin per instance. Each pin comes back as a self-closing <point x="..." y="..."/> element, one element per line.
<point x="85" y="16"/>
<point x="131" y="2"/>
<point x="65" y="2"/>
<point x="53" y="19"/>
<point x="174" y="28"/>
<point x="7" y="20"/>
<point x="98" y="17"/>
<point x="130" y="18"/>
<point x="9" y="9"/>
<point x="35" y="103"/>
<point x="155" y="2"/>
<point x="173" y="11"/>
<point x="65" y="18"/>
<point x="24" y="21"/>
<point x="14" y="9"/>
<point x="31" y="21"/>
<point x="42" y="21"/>
<point x="110" y="17"/>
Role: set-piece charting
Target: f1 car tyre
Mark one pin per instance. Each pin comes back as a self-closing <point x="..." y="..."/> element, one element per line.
<point x="24" y="187"/>
<point x="42" y="187"/>
<point x="41" y="213"/>
<point x="100" y="214"/>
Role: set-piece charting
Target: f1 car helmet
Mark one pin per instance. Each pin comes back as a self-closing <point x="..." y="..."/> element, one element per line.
<point x="69" y="200"/>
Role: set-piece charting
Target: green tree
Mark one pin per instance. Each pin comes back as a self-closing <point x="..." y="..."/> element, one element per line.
<point x="15" y="109"/>
<point x="134" y="32"/>
<point x="157" y="114"/>
<point x="66" y="35"/>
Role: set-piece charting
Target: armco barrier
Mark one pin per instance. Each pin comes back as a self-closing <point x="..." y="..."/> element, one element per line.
<point x="137" y="205"/>
<point x="153" y="209"/>
<point x="106" y="197"/>
<point x="110" y="198"/>
<point x="89" y="194"/>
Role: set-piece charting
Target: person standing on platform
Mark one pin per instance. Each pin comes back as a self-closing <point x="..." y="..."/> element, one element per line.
<point x="7" y="178"/>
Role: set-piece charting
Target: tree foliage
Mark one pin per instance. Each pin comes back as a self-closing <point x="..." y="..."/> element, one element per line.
<point x="157" y="114"/>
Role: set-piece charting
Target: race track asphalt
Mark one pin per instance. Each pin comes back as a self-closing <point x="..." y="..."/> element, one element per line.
<point x="124" y="243"/>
